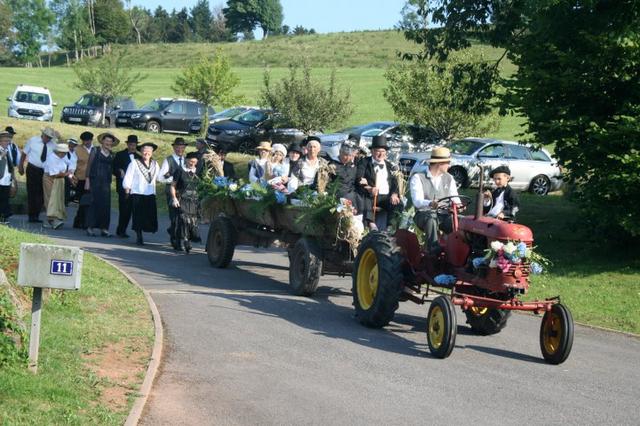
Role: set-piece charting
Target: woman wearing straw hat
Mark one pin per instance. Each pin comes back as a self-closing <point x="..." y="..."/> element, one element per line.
<point x="258" y="166"/>
<point x="98" y="182"/>
<point x="428" y="187"/>
<point x="56" y="168"/>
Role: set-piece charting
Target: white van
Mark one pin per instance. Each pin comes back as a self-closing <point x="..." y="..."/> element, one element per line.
<point x="31" y="103"/>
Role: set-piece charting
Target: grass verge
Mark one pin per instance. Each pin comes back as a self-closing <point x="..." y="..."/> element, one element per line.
<point x="95" y="345"/>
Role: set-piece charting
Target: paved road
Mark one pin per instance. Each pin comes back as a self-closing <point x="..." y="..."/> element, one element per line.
<point x="241" y="350"/>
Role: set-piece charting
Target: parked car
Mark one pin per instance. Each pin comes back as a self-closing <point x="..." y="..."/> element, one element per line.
<point x="229" y="113"/>
<point x="89" y="109"/>
<point x="359" y="130"/>
<point x="243" y="132"/>
<point x="533" y="170"/>
<point x="165" y="115"/>
<point x="31" y="103"/>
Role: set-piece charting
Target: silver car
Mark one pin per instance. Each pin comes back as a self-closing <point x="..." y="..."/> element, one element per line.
<point x="533" y="170"/>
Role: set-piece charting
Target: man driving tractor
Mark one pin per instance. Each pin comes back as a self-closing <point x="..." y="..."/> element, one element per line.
<point x="426" y="189"/>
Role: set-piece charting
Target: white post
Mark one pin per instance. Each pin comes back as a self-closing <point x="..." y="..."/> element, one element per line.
<point x="34" y="340"/>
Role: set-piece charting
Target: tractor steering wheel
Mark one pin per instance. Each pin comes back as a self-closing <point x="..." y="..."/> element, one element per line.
<point x="444" y="206"/>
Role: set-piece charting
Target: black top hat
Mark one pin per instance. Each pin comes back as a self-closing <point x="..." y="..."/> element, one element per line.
<point x="500" y="169"/>
<point x="192" y="155"/>
<point x="86" y="136"/>
<point x="179" y="142"/>
<point x="379" y="141"/>
<point x="152" y="145"/>
<point x="132" y="139"/>
<point x="295" y="147"/>
<point x="10" y="130"/>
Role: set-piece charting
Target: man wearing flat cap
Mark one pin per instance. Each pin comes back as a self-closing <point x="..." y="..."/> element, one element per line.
<point x="120" y="163"/>
<point x="426" y="189"/>
<point x="169" y="167"/>
<point x="502" y="202"/>
<point x="378" y="185"/>
<point x="36" y="151"/>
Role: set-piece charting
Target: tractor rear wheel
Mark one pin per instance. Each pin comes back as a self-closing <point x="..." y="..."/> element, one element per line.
<point x="305" y="267"/>
<point x="441" y="327"/>
<point x="221" y="242"/>
<point x="486" y="321"/>
<point x="556" y="334"/>
<point x="377" y="280"/>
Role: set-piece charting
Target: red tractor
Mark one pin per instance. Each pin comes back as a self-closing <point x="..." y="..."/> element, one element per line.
<point x="389" y="269"/>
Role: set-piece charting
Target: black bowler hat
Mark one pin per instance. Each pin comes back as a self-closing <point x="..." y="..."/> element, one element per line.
<point x="132" y="139"/>
<point x="179" y="142"/>
<point x="10" y="130"/>
<point x="86" y="136"/>
<point x="192" y="155"/>
<point x="379" y="141"/>
<point x="500" y="169"/>
<point x="152" y="145"/>
<point x="308" y="139"/>
<point x="295" y="147"/>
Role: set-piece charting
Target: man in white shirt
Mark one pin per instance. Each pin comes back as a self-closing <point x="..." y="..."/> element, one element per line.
<point x="35" y="154"/>
<point x="169" y="167"/>
<point x="6" y="176"/>
<point x="426" y="189"/>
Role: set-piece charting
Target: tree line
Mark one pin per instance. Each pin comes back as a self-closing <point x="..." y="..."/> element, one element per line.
<point x="84" y="27"/>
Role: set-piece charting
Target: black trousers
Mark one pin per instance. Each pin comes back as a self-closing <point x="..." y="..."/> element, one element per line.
<point x="383" y="202"/>
<point x="5" y="208"/>
<point x="80" y="221"/>
<point x="173" y="216"/>
<point x="35" y="193"/>
<point x="125" y="208"/>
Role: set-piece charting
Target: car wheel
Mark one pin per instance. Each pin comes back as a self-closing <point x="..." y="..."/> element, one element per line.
<point x="153" y="127"/>
<point x="540" y="185"/>
<point x="460" y="175"/>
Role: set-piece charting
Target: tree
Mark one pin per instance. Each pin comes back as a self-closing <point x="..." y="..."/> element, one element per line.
<point x="32" y="21"/>
<point x="305" y="103"/>
<point x="72" y="25"/>
<point x="577" y="83"/>
<point x="179" y="29"/>
<point x="244" y="16"/>
<point x="108" y="77"/>
<point x="219" y="31"/>
<point x="140" y="19"/>
<point x="209" y="81"/>
<point x="200" y="20"/>
<point x="111" y="21"/>
<point x="6" y="35"/>
<point x="442" y="96"/>
<point x="158" y="28"/>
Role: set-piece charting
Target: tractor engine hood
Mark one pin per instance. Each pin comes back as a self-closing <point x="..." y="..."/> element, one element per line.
<point x="496" y="229"/>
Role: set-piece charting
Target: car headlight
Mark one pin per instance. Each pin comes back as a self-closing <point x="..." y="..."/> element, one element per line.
<point x="65" y="110"/>
<point x="134" y="116"/>
<point x="236" y="132"/>
<point x="12" y="107"/>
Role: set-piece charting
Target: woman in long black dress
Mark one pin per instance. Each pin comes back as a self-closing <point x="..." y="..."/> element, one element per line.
<point x="98" y="182"/>
<point x="184" y="196"/>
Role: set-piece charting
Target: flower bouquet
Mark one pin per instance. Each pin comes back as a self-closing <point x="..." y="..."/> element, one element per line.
<point x="503" y="255"/>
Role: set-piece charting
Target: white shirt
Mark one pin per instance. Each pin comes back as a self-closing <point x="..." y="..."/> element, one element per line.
<point x="417" y="190"/>
<point x="382" y="178"/>
<point x="6" y="176"/>
<point x="135" y="181"/>
<point x="498" y="206"/>
<point x="72" y="161"/>
<point x="165" y="167"/>
<point x="33" y="150"/>
<point x="308" y="172"/>
<point x="55" y="165"/>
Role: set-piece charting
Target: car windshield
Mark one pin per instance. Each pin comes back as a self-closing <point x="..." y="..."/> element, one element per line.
<point x="372" y="132"/>
<point x="250" y="117"/>
<point x="33" y="98"/>
<point x="155" y="105"/>
<point x="229" y="113"/>
<point x="90" y="101"/>
<point x="367" y="127"/>
<point x="465" y="147"/>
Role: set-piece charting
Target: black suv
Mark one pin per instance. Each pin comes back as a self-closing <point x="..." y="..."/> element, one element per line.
<point x="88" y="110"/>
<point x="243" y="132"/>
<point x="165" y="115"/>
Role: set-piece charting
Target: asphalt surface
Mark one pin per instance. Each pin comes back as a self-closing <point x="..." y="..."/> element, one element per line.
<point x="240" y="349"/>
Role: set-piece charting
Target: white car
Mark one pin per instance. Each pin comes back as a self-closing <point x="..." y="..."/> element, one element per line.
<point x="533" y="170"/>
<point x="32" y="103"/>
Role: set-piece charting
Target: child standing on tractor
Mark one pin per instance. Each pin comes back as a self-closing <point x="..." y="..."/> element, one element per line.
<point x="502" y="202"/>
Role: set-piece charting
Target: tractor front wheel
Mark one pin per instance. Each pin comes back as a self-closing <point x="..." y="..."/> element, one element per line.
<point x="556" y="334"/>
<point x="486" y="321"/>
<point x="377" y="280"/>
<point x="441" y="327"/>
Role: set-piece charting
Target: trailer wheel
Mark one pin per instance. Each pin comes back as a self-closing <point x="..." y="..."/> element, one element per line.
<point x="556" y="334"/>
<point x="221" y="242"/>
<point x="305" y="267"/>
<point x="486" y="321"/>
<point x="441" y="327"/>
<point x="377" y="280"/>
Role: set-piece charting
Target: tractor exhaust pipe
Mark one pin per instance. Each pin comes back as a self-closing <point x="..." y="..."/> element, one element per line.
<point x="480" y="196"/>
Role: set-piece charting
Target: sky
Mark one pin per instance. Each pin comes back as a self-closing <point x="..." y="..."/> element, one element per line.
<point x="325" y="16"/>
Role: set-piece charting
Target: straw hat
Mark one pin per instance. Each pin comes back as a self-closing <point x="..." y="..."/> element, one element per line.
<point x="440" y="154"/>
<point x="61" y="147"/>
<point x="264" y="146"/>
<point x="48" y="131"/>
<point x="72" y="141"/>
<point x="101" y="136"/>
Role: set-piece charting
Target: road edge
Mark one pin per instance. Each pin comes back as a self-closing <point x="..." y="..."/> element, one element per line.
<point x="156" y="354"/>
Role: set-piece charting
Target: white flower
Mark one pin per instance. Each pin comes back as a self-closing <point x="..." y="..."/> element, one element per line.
<point x="233" y="187"/>
<point x="493" y="263"/>
<point x="509" y="248"/>
<point x="496" y="245"/>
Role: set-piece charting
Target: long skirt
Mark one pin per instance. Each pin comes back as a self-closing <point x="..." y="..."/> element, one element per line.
<point x="47" y="186"/>
<point x="145" y="213"/>
<point x="56" y="208"/>
<point x="99" y="214"/>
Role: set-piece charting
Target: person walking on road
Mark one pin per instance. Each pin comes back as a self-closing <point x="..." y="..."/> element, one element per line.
<point x="98" y="182"/>
<point x="83" y="152"/>
<point x="16" y="154"/>
<point x="35" y="155"/>
<point x="184" y="196"/>
<point x="56" y="169"/>
<point x="7" y="176"/>
<point x="170" y="166"/>
<point x="140" y="184"/>
<point x="120" y="164"/>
